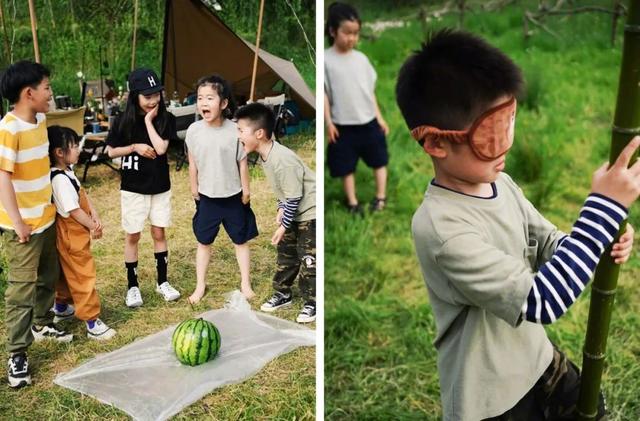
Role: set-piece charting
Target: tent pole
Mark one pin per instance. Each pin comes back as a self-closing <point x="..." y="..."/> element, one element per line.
<point x="255" y="56"/>
<point x="135" y="27"/>
<point x="34" y="32"/>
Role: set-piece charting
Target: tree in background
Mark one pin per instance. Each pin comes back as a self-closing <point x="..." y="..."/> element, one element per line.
<point x="73" y="34"/>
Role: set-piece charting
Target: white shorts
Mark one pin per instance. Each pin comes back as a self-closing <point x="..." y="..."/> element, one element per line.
<point x="136" y="208"/>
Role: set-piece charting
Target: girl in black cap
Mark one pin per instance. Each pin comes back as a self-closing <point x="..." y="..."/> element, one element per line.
<point x="141" y="137"/>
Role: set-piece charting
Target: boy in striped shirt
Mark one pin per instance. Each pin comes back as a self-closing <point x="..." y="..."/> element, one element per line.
<point x="27" y="216"/>
<point x="495" y="269"/>
<point x="294" y="186"/>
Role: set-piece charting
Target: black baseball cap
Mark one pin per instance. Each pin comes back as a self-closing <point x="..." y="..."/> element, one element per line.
<point x="144" y="81"/>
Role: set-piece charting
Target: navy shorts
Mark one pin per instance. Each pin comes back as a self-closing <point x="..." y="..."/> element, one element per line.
<point x="364" y="141"/>
<point x="238" y="219"/>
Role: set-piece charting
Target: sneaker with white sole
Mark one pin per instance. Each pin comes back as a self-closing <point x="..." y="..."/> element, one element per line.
<point x="100" y="331"/>
<point x="308" y="313"/>
<point x="277" y="301"/>
<point x="134" y="298"/>
<point x="168" y="292"/>
<point x="66" y="314"/>
<point x="50" y="332"/>
<point x="18" y="370"/>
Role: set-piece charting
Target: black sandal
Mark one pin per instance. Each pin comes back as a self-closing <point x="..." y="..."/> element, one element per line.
<point x="377" y="204"/>
<point x="355" y="209"/>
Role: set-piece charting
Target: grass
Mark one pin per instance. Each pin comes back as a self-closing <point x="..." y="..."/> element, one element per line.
<point x="283" y="389"/>
<point x="379" y="359"/>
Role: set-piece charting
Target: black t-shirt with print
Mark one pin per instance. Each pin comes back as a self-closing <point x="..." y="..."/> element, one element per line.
<point x="139" y="174"/>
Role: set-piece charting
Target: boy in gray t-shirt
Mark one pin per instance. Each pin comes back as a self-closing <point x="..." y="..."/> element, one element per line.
<point x="495" y="269"/>
<point x="294" y="186"/>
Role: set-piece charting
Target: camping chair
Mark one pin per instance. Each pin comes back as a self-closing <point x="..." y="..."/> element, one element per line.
<point x="92" y="148"/>
<point x="184" y="117"/>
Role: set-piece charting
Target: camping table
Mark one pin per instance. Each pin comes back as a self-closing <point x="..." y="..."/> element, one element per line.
<point x="94" y="152"/>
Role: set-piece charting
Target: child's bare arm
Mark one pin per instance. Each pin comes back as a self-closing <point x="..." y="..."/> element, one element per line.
<point x="332" y="131"/>
<point x="10" y="204"/>
<point x="159" y="144"/>
<point x="94" y="215"/>
<point x="381" y="121"/>
<point x="82" y="218"/>
<point x="244" y="180"/>
<point x="193" y="177"/>
<point x="142" y="150"/>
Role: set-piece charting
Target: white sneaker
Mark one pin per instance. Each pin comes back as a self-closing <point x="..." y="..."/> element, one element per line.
<point x="134" y="298"/>
<point x="63" y="315"/>
<point x="100" y="331"/>
<point x="50" y="332"/>
<point x="168" y="292"/>
<point x="308" y="313"/>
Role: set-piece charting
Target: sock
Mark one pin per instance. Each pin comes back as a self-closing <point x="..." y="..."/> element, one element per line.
<point x="91" y="323"/>
<point x="132" y="274"/>
<point x="161" y="264"/>
<point x="60" y="307"/>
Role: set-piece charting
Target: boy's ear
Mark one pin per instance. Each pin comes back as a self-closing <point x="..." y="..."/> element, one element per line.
<point x="26" y="92"/>
<point x="435" y="148"/>
<point x="224" y="104"/>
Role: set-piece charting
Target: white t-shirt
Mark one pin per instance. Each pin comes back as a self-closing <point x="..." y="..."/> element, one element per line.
<point x="65" y="196"/>
<point x="349" y="82"/>
<point x="217" y="152"/>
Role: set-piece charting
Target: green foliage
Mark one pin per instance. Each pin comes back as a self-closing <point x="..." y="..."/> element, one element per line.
<point x="76" y="35"/>
<point x="379" y="359"/>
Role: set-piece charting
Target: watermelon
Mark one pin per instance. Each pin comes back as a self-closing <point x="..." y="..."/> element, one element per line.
<point x="196" y="341"/>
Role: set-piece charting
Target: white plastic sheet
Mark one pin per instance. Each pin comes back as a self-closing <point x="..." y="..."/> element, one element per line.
<point x="145" y="379"/>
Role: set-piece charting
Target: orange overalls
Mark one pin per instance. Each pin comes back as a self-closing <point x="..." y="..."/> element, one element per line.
<point x="77" y="283"/>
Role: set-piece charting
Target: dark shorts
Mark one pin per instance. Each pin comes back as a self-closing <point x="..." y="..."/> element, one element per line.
<point x="238" y="219"/>
<point x="364" y="141"/>
<point x="554" y="396"/>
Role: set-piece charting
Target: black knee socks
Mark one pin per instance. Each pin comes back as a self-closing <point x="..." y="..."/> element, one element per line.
<point x="161" y="265"/>
<point x="132" y="274"/>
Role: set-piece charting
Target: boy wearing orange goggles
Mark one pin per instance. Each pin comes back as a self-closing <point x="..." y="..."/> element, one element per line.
<point x="495" y="269"/>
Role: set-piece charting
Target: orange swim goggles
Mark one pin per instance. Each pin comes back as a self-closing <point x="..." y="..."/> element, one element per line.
<point x="490" y="136"/>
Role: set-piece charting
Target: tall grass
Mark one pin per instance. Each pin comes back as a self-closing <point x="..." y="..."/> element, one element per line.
<point x="379" y="360"/>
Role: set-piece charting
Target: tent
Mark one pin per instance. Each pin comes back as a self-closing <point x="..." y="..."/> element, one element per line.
<point x="198" y="43"/>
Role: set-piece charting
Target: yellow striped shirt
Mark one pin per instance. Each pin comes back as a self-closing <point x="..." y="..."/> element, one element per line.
<point x="24" y="152"/>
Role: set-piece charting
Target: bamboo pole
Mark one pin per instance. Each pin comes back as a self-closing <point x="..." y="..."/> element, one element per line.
<point x="135" y="27"/>
<point x="626" y="125"/>
<point x="5" y="38"/>
<point x="34" y="30"/>
<point x="255" y="56"/>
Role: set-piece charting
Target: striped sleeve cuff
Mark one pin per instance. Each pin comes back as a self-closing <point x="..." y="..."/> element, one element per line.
<point x="290" y="209"/>
<point x="560" y="281"/>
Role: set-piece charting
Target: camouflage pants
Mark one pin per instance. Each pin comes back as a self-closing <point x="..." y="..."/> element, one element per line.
<point x="297" y="258"/>
<point x="554" y="396"/>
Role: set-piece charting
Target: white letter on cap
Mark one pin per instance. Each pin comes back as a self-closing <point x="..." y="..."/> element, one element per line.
<point x="152" y="81"/>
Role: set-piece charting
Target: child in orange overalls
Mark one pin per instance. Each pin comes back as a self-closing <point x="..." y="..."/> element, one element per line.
<point x="77" y="222"/>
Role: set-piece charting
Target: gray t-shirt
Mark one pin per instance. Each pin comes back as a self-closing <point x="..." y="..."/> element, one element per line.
<point x="290" y="178"/>
<point x="217" y="153"/>
<point x="349" y="82"/>
<point x="478" y="258"/>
